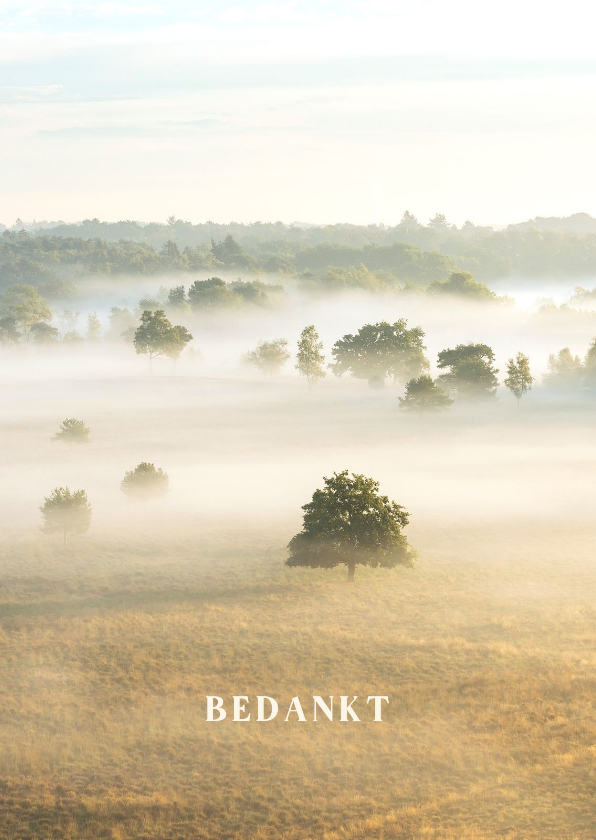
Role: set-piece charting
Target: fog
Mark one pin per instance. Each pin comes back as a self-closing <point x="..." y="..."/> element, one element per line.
<point x="239" y="446"/>
<point x="484" y="647"/>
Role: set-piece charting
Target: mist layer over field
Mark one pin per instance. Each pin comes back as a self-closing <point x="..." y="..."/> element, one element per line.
<point x="110" y="645"/>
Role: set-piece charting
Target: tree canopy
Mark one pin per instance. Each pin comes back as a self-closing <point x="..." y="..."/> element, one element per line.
<point x="424" y="395"/>
<point x="462" y="284"/>
<point x="380" y="350"/>
<point x="349" y="523"/>
<point x="470" y="371"/>
<point x="157" y="337"/>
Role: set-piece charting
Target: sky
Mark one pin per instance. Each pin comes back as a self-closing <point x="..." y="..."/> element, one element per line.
<point x="316" y="112"/>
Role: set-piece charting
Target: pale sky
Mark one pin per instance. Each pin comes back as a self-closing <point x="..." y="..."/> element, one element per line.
<point x="309" y="111"/>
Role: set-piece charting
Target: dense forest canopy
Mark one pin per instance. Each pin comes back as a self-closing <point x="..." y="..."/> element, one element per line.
<point x="338" y="256"/>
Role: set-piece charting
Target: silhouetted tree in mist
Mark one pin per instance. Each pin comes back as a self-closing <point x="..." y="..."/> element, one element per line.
<point x="66" y="512"/>
<point x="565" y="371"/>
<point x="519" y="377"/>
<point x="424" y="395"/>
<point x="269" y="356"/>
<point x="72" y="431"/>
<point x="42" y="333"/>
<point x="145" y="482"/>
<point x="310" y="359"/>
<point x="93" y="327"/>
<point x="471" y="373"/>
<point x="122" y="325"/>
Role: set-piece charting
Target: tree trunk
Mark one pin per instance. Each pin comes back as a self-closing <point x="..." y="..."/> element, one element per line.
<point x="351" y="570"/>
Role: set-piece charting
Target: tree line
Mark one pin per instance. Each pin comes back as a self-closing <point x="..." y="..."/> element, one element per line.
<point x="536" y="249"/>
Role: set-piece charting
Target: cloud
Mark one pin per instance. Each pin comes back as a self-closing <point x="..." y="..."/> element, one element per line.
<point x="31" y="93"/>
<point x="164" y="128"/>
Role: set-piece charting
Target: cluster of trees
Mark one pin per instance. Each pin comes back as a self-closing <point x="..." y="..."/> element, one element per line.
<point x="567" y="371"/>
<point x="215" y="293"/>
<point x="69" y="512"/>
<point x="25" y="315"/>
<point x="383" y="350"/>
<point x="410" y="251"/>
<point x="348" y="522"/>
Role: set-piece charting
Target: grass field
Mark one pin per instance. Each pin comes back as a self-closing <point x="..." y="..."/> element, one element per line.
<point x="486" y="649"/>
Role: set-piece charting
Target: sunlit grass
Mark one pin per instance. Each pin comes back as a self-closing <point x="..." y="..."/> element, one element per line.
<point x="486" y="650"/>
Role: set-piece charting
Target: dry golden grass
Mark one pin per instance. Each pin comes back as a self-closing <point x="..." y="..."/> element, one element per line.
<point x="486" y="650"/>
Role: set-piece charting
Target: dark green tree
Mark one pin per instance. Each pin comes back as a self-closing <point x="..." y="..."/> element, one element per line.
<point x="471" y="373"/>
<point x="66" y="512"/>
<point x="424" y="395"/>
<point x="229" y="252"/>
<point x="269" y="356"/>
<point x="72" y="431"/>
<point x="310" y="359"/>
<point x="349" y="523"/>
<point x="213" y="293"/>
<point x="145" y="482"/>
<point x="170" y="253"/>
<point x="519" y="377"/>
<point x="157" y="337"/>
<point x="462" y="284"/>
<point x="380" y="350"/>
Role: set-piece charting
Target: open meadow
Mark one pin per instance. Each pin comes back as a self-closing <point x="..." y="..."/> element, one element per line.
<point x="109" y="646"/>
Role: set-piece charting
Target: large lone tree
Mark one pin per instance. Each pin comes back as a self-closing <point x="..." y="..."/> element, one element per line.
<point x="380" y="350"/>
<point x="471" y="373"/>
<point x="349" y="523"/>
<point x="67" y="512"/>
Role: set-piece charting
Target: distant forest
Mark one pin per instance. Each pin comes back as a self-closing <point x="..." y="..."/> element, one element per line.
<point x="330" y="256"/>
